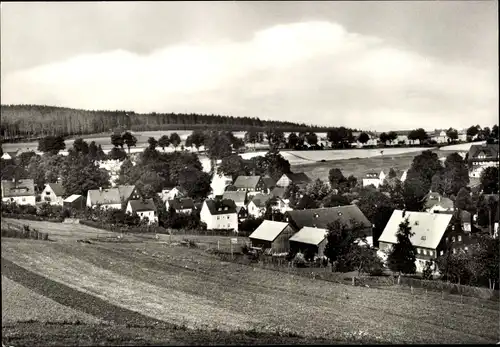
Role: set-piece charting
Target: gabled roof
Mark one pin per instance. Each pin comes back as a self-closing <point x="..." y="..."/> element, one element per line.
<point x="224" y="206"/>
<point x="278" y="192"/>
<point x="269" y="182"/>
<point x="126" y="191"/>
<point x="428" y="228"/>
<point x="311" y="236"/>
<point x="104" y="196"/>
<point x="139" y="205"/>
<point x="298" y="177"/>
<point x="268" y="230"/>
<point x="240" y="209"/>
<point x="236" y="196"/>
<point x="490" y="150"/>
<point x="260" y="200"/>
<point x="57" y="188"/>
<point x="321" y="217"/>
<point x="246" y="182"/>
<point x="24" y="187"/>
<point x="72" y="198"/>
<point x="435" y="199"/>
<point x="181" y="204"/>
<point x="11" y="154"/>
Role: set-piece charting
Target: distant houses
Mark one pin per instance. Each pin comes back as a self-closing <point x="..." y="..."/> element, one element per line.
<point x="21" y="192"/>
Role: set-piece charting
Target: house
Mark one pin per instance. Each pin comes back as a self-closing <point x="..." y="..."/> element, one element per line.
<point x="434" y="234"/>
<point x="269" y="184"/>
<point x="219" y="214"/>
<point x="462" y="135"/>
<point x="172" y="193"/>
<point x="309" y="240"/>
<point x="439" y="136"/>
<point x="180" y="205"/>
<point x="9" y="155"/>
<point x="144" y="209"/>
<point x="435" y="202"/>
<point x="481" y="157"/>
<point x="74" y="201"/>
<point x="257" y="206"/>
<point x="272" y="235"/>
<point x="239" y="197"/>
<point x="299" y="178"/>
<point x="111" y="197"/>
<point x="281" y="204"/>
<point x="219" y="184"/>
<point x="22" y="192"/>
<point x="250" y="184"/>
<point x="53" y="193"/>
<point x="372" y="178"/>
<point x="350" y="216"/>
<point x="242" y="213"/>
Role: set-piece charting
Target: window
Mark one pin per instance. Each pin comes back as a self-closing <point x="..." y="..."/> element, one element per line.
<point x="23" y="199"/>
<point x="418" y="250"/>
<point x="218" y="217"/>
<point x="430" y="253"/>
<point x="453" y="228"/>
<point x="441" y="253"/>
<point x="47" y="193"/>
<point x="459" y="238"/>
<point x="425" y="252"/>
<point x="227" y="217"/>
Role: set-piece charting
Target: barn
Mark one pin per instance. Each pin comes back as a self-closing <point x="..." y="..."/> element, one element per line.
<point x="272" y="235"/>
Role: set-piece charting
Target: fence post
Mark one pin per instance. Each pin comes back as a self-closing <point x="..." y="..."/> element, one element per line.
<point x="411" y="288"/>
<point x="461" y="299"/>
<point x="353" y="281"/>
<point x="442" y="294"/>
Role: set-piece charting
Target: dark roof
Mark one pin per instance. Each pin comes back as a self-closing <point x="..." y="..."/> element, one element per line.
<point x="246" y="182"/>
<point x="181" y="204"/>
<point x="490" y="150"/>
<point x="57" y="188"/>
<point x="140" y="205"/>
<point x="321" y="217"/>
<point x="111" y="195"/>
<point x="298" y="178"/>
<point x="278" y="192"/>
<point x="260" y="199"/>
<point x="24" y="187"/>
<point x="269" y="182"/>
<point x="126" y="191"/>
<point x="224" y="206"/>
<point x="236" y="196"/>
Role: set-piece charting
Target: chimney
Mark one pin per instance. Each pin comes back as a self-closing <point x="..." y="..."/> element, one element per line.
<point x="100" y="189"/>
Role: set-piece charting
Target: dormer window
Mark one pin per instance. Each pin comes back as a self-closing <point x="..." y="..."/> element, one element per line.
<point x="416" y="222"/>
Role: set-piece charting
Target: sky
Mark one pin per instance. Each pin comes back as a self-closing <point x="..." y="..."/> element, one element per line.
<point x="367" y="65"/>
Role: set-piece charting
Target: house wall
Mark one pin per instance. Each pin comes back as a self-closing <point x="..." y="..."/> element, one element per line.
<point x="255" y="211"/>
<point x="370" y="181"/>
<point x="261" y="243"/>
<point x="21" y="200"/>
<point x="281" y="244"/>
<point x="49" y="196"/>
<point x="223" y="221"/>
<point x="284" y="181"/>
<point x="77" y="204"/>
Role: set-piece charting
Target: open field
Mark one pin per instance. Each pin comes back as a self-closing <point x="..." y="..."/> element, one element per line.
<point x="462" y="146"/>
<point x="186" y="286"/>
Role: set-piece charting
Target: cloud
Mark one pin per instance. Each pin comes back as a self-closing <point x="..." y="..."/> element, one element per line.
<point x="313" y="72"/>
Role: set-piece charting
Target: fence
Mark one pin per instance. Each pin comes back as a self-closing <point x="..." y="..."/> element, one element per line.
<point x="23" y="233"/>
<point x="32" y="217"/>
<point x="223" y="232"/>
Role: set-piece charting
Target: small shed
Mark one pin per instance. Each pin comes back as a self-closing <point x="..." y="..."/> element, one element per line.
<point x="74" y="201"/>
<point x="272" y="235"/>
<point x="309" y="240"/>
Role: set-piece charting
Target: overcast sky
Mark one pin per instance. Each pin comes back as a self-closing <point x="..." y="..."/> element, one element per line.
<point x="370" y="65"/>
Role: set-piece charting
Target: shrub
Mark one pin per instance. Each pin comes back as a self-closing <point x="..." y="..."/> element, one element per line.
<point x="245" y="249"/>
<point x="299" y="260"/>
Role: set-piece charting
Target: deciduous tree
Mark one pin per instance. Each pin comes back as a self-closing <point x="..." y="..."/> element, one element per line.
<point x="164" y="142"/>
<point x="489" y="180"/>
<point x="175" y="140"/>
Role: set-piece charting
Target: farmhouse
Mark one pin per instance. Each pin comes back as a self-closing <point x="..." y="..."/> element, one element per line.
<point x="172" y="193"/>
<point x="111" y="198"/>
<point x="257" y="207"/>
<point x="309" y="240"/>
<point x="53" y="193"/>
<point x="272" y="235"/>
<point x="219" y="215"/>
<point x="180" y="205"/>
<point x="350" y="216"/>
<point x="22" y="192"/>
<point x="250" y="184"/>
<point x="434" y="233"/>
<point x="481" y="157"/>
<point x="239" y="197"/>
<point x="434" y="202"/>
<point x="74" y="201"/>
<point x="145" y="209"/>
<point x="299" y="178"/>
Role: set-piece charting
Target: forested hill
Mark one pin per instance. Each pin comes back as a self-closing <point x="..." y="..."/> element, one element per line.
<point x="33" y="121"/>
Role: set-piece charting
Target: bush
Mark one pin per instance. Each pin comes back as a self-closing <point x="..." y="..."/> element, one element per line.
<point x="299" y="260"/>
<point x="244" y="249"/>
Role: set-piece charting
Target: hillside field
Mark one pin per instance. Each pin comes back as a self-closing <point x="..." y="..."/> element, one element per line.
<point x="144" y="293"/>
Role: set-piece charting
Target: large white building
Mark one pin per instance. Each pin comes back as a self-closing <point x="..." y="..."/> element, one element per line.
<point x="219" y="215"/>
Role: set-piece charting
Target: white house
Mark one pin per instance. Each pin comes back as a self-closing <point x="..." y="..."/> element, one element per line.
<point x="53" y="193"/>
<point x="481" y="157"/>
<point x="374" y="179"/>
<point x="440" y="137"/>
<point x="172" y="193"/>
<point x="144" y="209"/>
<point x="180" y="205"/>
<point x="111" y="197"/>
<point x="257" y="207"/>
<point x="219" y="214"/>
<point x="22" y="192"/>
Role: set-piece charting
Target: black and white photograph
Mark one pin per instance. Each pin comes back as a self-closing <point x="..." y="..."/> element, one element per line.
<point x="249" y="173"/>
